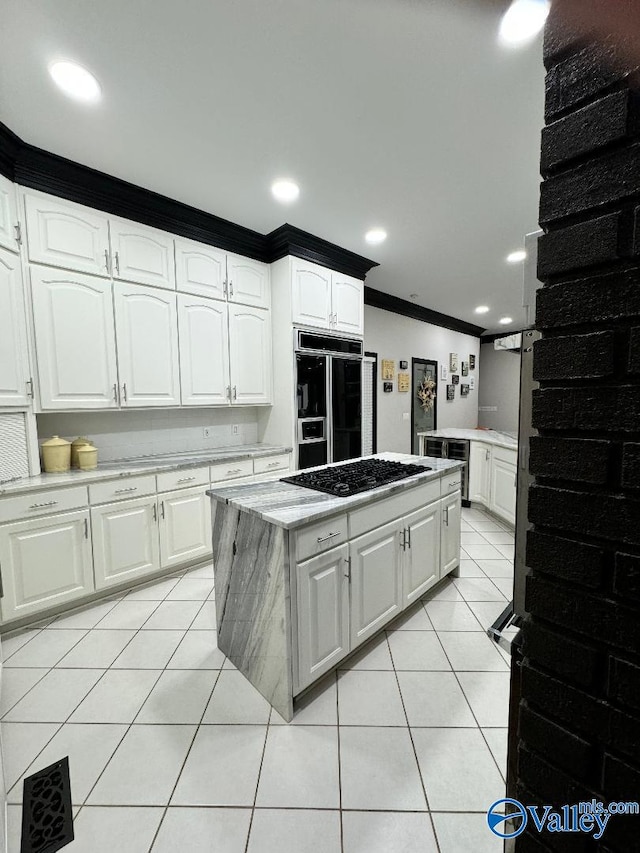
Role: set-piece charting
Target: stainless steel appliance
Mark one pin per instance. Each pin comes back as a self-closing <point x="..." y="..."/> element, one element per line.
<point x="329" y="398"/>
<point x="450" y="448"/>
<point x="356" y="477"/>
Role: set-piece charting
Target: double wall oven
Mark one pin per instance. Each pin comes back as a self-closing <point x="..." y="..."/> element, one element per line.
<point x="329" y="398"/>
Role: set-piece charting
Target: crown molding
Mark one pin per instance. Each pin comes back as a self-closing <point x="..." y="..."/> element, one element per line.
<point x="387" y="302"/>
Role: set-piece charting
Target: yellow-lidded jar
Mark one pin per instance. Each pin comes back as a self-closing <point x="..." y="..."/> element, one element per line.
<point x="56" y="455"/>
<point x="75" y="445"/>
<point x="87" y="457"/>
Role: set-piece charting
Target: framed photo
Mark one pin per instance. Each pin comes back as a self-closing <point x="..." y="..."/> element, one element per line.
<point x="388" y="367"/>
<point x="472" y="362"/>
<point x="455" y="379"/>
<point x="465" y="368"/>
<point x="453" y="362"/>
<point x="472" y="383"/>
<point x="451" y="392"/>
<point x="464" y="390"/>
<point x="387" y="387"/>
<point x="404" y="365"/>
<point x="403" y="381"/>
<point x="444" y="372"/>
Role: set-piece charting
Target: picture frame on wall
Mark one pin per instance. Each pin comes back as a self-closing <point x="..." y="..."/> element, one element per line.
<point x="451" y="392"/>
<point x="455" y="379"/>
<point x="465" y="368"/>
<point x="464" y="390"/>
<point x="472" y="362"/>
<point x="453" y="362"/>
<point x="387" y="387"/>
<point x="404" y="365"/>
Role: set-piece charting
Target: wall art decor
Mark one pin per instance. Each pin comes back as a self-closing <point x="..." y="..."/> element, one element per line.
<point x="464" y="390"/>
<point x="387" y="387"/>
<point x="427" y="392"/>
<point x="455" y="379"/>
<point x="465" y="368"/>
<point x="472" y="362"/>
<point x="404" y="381"/>
<point x="444" y="372"/>
<point x="451" y="392"/>
<point x="472" y="383"/>
<point x="453" y="362"/>
<point x="388" y="367"/>
<point x="404" y="365"/>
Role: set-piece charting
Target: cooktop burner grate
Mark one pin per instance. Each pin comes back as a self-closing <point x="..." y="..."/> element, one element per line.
<point x="355" y="477"/>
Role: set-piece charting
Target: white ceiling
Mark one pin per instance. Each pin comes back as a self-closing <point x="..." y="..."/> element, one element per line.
<point x="400" y="113"/>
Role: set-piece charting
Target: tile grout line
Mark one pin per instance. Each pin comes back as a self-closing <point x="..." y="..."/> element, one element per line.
<point x="255" y="796"/>
<point x="339" y="763"/>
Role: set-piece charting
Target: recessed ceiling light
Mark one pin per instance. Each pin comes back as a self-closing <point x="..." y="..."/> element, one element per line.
<point x="75" y="81"/>
<point x="375" y="236"/>
<point x="516" y="257"/>
<point x="504" y="321"/>
<point x="285" y="191"/>
<point x="482" y="309"/>
<point x="522" y="21"/>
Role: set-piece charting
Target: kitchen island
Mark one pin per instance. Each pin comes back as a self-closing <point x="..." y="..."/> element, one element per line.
<point x="303" y="578"/>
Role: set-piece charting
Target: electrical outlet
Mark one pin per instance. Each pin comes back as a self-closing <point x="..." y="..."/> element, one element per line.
<point x="405" y="416"/>
<point x="235" y="429"/>
<point x="207" y="432"/>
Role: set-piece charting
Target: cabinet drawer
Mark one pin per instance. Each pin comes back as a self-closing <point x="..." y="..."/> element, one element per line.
<point x="42" y="503"/>
<point x="230" y="470"/>
<point x="450" y="482"/>
<point x="183" y="479"/>
<point x="385" y="510"/>
<point x="271" y="463"/>
<point x="119" y="490"/>
<point x="320" y="537"/>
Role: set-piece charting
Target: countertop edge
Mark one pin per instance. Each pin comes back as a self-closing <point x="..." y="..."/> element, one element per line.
<point x="485" y="436"/>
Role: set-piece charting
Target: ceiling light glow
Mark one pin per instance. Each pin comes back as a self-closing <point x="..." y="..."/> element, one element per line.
<point x="504" y="321"/>
<point x="75" y="81"/>
<point x="285" y="190"/>
<point x="375" y="236"/>
<point x="516" y="257"/>
<point x="522" y="21"/>
<point x="482" y="309"/>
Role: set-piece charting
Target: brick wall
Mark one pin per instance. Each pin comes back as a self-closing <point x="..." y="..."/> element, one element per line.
<point x="579" y="714"/>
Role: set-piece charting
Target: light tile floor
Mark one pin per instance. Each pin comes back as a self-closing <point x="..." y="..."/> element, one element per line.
<point x="170" y="748"/>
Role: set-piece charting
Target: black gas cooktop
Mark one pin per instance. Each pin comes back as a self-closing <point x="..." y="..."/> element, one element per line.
<point x="355" y="477"/>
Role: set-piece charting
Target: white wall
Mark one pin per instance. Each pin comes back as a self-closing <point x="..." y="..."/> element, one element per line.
<point x="401" y="338"/>
<point x="500" y="388"/>
<point x="120" y="435"/>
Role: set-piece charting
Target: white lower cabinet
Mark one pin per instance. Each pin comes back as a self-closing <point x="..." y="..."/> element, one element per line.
<point x="479" y="472"/>
<point x="376" y="580"/>
<point x="421" y="551"/>
<point x="45" y="562"/>
<point x="451" y="512"/>
<point x="185" y="526"/>
<point x="125" y="541"/>
<point x="504" y="477"/>
<point x="493" y="475"/>
<point x="323" y="612"/>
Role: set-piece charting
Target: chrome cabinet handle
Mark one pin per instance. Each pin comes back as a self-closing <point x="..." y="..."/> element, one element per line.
<point x="409" y="537"/>
<point x="115" y="392"/>
<point x="186" y="479"/>
<point x="124" y="491"/>
<point x="486" y="454"/>
<point x="446" y="515"/>
<point x="230" y="287"/>
<point x="328" y="536"/>
<point x="235" y="471"/>
<point x="224" y="287"/>
<point x="106" y="260"/>
<point x="455" y="483"/>
<point x="235" y="392"/>
<point x="229" y="391"/>
<point x="30" y="388"/>
<point x="273" y="464"/>
<point x="44" y="505"/>
<point x="348" y="574"/>
<point x="117" y="263"/>
<point x="86" y="528"/>
<point x="155" y="513"/>
<point x="162" y="508"/>
<point x="124" y="391"/>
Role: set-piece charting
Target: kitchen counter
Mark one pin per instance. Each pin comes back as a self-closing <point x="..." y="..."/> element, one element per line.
<point x="489" y="436"/>
<point x="141" y="465"/>
<point x="289" y="506"/>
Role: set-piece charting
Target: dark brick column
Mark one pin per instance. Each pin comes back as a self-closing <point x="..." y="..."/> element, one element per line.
<point x="579" y="714"/>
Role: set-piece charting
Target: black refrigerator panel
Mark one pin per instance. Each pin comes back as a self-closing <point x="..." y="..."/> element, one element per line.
<point x="346" y="403"/>
<point x="311" y="386"/>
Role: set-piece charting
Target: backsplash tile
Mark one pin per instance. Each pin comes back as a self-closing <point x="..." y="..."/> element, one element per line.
<point x="120" y="435"/>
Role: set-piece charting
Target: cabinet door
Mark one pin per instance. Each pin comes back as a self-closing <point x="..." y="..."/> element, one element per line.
<point x="142" y="254"/>
<point x="249" y="282"/>
<point x="45" y="562"/>
<point x="125" y="541"/>
<point x="421" y="551"/>
<point x="200" y="269"/>
<point x="347" y="304"/>
<point x="75" y="340"/>
<point x="14" y="355"/>
<point x="450" y="539"/>
<point x="479" y="472"/>
<point x="311" y="296"/>
<point x="503" y="489"/>
<point x="185" y="526"/>
<point x="323" y="613"/>
<point x="204" y="351"/>
<point x="250" y="355"/>
<point x="376" y="580"/>
<point x="62" y="234"/>
<point x="8" y="215"/>
<point x="147" y="337"/>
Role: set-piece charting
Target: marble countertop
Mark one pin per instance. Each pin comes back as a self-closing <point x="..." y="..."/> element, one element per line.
<point x="141" y="465"/>
<point x="489" y="436"/>
<point x="289" y="506"/>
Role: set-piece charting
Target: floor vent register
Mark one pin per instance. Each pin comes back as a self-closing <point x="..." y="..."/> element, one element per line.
<point x="47" y="816"/>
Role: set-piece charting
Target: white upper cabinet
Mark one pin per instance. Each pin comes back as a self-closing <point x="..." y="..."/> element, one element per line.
<point x="147" y="337"/>
<point x="347" y="303"/>
<point x="14" y="357"/>
<point x="248" y="281"/>
<point x="75" y="340"/>
<point x="142" y="254"/>
<point x="311" y="296"/>
<point x="204" y="351"/>
<point x="8" y="215"/>
<point x="200" y="269"/>
<point x="67" y="235"/>
<point x="250" y="355"/>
